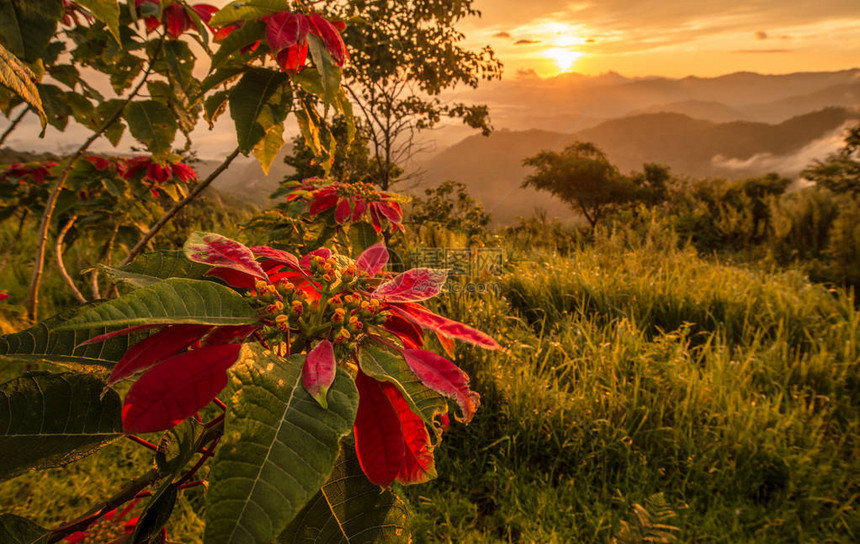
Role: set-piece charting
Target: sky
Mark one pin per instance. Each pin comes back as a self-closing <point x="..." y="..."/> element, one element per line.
<point x="672" y="38"/>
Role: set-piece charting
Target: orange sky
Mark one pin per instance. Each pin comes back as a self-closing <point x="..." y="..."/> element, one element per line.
<point x="672" y="38"/>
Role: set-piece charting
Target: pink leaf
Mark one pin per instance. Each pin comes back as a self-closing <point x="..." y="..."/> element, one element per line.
<point x="444" y="377"/>
<point x="323" y="202"/>
<point x="318" y="371"/>
<point x="409" y="333"/>
<point x="358" y="211"/>
<point x="412" y="286"/>
<point x="154" y="349"/>
<point x="425" y="318"/>
<point x="391" y="211"/>
<point x="373" y="259"/>
<point x="222" y="252"/>
<point x="172" y="391"/>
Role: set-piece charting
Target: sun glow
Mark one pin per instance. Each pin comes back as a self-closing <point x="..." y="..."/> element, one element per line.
<point x="564" y="58"/>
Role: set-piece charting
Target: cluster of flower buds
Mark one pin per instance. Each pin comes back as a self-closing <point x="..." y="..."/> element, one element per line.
<point x="338" y="311"/>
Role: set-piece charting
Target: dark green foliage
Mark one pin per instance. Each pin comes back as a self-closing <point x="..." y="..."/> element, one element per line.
<point x="839" y="172"/>
<point x="449" y="205"/>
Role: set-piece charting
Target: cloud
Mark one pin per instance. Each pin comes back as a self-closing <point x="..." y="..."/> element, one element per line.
<point x="590" y="40"/>
<point x="502" y="35"/>
<point x="746" y="51"/>
<point x="788" y="165"/>
<point x="526" y="42"/>
<point x="529" y="73"/>
<point x="761" y="35"/>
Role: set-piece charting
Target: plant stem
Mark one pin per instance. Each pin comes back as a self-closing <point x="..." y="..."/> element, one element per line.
<point x="44" y="225"/>
<point x="123" y="496"/>
<point x="62" y="265"/>
<point x="141" y="245"/>
<point x="11" y="128"/>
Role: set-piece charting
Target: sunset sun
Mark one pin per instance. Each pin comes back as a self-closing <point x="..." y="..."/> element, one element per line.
<point x="563" y="58"/>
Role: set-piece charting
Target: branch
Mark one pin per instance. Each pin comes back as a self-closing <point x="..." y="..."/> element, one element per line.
<point x="11" y="128"/>
<point x="39" y="265"/>
<point x="141" y="245"/>
<point x="62" y="266"/>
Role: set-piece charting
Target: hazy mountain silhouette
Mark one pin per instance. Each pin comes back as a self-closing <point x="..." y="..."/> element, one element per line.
<point x="492" y="167"/>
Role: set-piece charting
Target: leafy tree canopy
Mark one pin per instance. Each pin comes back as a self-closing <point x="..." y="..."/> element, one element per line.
<point x="839" y="172"/>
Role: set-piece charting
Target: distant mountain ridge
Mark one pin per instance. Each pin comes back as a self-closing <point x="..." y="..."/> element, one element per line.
<point x="492" y="167"/>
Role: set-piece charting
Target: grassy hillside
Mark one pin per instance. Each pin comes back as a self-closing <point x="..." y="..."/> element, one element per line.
<point x="645" y="393"/>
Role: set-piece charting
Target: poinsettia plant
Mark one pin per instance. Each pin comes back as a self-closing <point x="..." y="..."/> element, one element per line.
<point x="315" y="365"/>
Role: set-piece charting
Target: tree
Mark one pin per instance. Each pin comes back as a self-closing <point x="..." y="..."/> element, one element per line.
<point x="840" y="171"/>
<point x="451" y="206"/>
<point x="582" y="176"/>
<point x="403" y="55"/>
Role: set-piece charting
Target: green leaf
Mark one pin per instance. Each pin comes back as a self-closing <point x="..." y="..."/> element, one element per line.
<point x="247" y="11"/>
<point x="180" y="62"/>
<point x="43" y="343"/>
<point x="382" y="364"/>
<point x="155" y="516"/>
<point x="268" y="148"/>
<point x="177" y="447"/>
<point x="165" y="264"/>
<point x="153" y="124"/>
<point x="169" y="302"/>
<point x="49" y="420"/>
<point x="26" y="26"/>
<point x="18" y="530"/>
<point x="21" y="81"/>
<point x="349" y="509"/>
<point x="361" y="236"/>
<point x="214" y="106"/>
<point x="106" y="11"/>
<point x="260" y="100"/>
<point x="279" y="447"/>
<point x="329" y="71"/>
<point x="56" y="105"/>
<point x="250" y="32"/>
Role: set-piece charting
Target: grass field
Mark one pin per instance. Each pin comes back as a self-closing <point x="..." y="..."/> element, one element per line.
<point x="646" y="394"/>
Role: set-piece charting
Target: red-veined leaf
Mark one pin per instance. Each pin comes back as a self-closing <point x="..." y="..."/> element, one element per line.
<point x="220" y="251"/>
<point x="156" y="348"/>
<point x="412" y="286"/>
<point x="390" y="440"/>
<point x="318" y="371"/>
<point x="425" y="318"/>
<point x="373" y="259"/>
<point x="172" y="391"/>
<point x="444" y="377"/>
<point x="342" y="212"/>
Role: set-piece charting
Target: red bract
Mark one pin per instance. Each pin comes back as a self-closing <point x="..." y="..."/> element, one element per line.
<point x="392" y="442"/>
<point x="29" y="172"/>
<point x="3" y="296"/>
<point x="347" y="307"/>
<point x="175" y="17"/>
<point x="352" y="202"/>
<point x="177" y="387"/>
<point x="154" y="174"/>
<point x="286" y="34"/>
